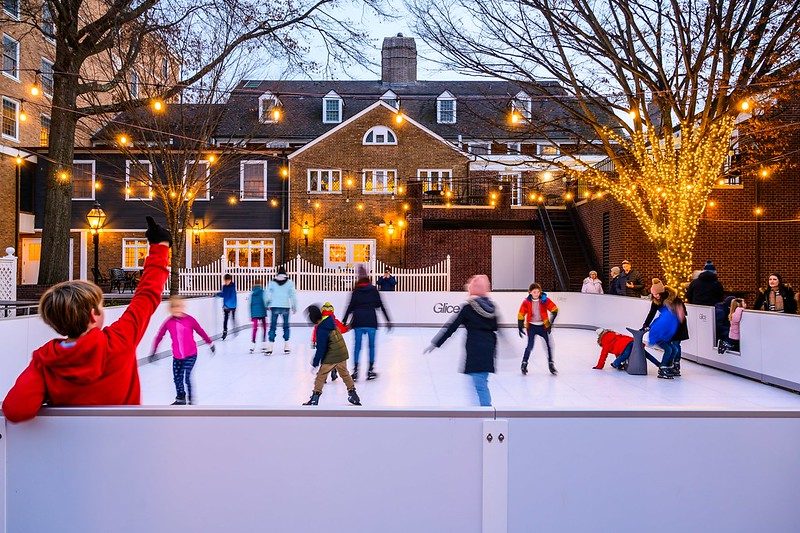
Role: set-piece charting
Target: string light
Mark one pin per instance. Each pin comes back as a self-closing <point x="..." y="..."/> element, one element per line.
<point x="568" y="196"/>
<point x="712" y="203"/>
<point x="158" y="105"/>
<point x="764" y="173"/>
<point x="633" y="114"/>
<point x="514" y="117"/>
<point x="173" y="194"/>
<point x="19" y="160"/>
<point x="401" y="189"/>
<point x="360" y="206"/>
<point x="35" y="90"/>
<point x="758" y="211"/>
<point x="23" y="116"/>
<point x="284" y="172"/>
<point x="349" y="182"/>
<point x="401" y="223"/>
<point x="406" y="207"/>
<point x="547" y="175"/>
<point x="63" y="176"/>
<point x="276" y="114"/>
<point x="97" y="185"/>
<point x="211" y="158"/>
<point x="317" y="205"/>
<point x="744" y="105"/>
<point x="273" y="202"/>
<point x="122" y="140"/>
<point x="232" y="200"/>
<point x="398" y="118"/>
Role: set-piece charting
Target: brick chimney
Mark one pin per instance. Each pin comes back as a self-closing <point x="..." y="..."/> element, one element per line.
<point x="399" y="60"/>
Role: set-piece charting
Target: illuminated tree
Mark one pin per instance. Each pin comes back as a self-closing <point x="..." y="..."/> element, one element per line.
<point x="658" y="84"/>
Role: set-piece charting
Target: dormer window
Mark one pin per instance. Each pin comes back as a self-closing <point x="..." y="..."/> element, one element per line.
<point x="391" y="98"/>
<point x="268" y="108"/>
<point x="380" y="135"/>
<point x="446" y="108"/>
<point x="522" y="105"/>
<point x="332" y="108"/>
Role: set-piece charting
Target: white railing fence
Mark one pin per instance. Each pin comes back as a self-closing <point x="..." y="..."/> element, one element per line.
<point x="8" y="276"/>
<point x="310" y="277"/>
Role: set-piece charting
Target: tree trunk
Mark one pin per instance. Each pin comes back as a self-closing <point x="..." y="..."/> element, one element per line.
<point x="676" y="261"/>
<point x="177" y="262"/>
<point x="54" y="265"/>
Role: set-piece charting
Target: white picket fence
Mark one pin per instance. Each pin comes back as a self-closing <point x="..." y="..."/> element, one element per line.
<point x="310" y="277"/>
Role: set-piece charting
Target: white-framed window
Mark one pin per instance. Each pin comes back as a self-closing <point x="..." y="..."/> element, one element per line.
<point x="44" y="130"/>
<point x="267" y="102"/>
<point x="515" y="180"/>
<point x="332" y="108"/>
<point x="196" y="178"/>
<point x="10" y="119"/>
<point x="378" y="180"/>
<point x="83" y="179"/>
<point x="514" y="148"/>
<point x="548" y="149"/>
<point x="134" y="84"/>
<point x="164" y="69"/>
<point x="250" y="253"/>
<point x="47" y="77"/>
<point x="11" y="7"/>
<point x="253" y="180"/>
<point x="436" y="179"/>
<point x="480" y="148"/>
<point x="390" y="97"/>
<point x="48" y="27"/>
<point x="138" y="180"/>
<point x="134" y="252"/>
<point x="10" y="57"/>
<point x="446" y="108"/>
<point x="325" y="180"/>
<point x="379" y="135"/>
<point x="347" y="253"/>
<point x="522" y="104"/>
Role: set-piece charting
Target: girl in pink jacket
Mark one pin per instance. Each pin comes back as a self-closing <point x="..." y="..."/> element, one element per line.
<point x="181" y="328"/>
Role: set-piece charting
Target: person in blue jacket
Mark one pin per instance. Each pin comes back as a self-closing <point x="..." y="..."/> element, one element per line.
<point x="228" y="295"/>
<point x="669" y="314"/>
<point x="281" y="298"/>
<point x="365" y="300"/>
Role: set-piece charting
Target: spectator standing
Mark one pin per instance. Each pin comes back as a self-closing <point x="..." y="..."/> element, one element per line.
<point x="777" y="297"/>
<point x="387" y="282"/>
<point x="706" y="289"/>
<point x="615" y="282"/>
<point x="633" y="282"/>
<point x="592" y="284"/>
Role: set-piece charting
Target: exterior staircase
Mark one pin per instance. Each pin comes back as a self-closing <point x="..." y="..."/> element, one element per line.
<point x="569" y="248"/>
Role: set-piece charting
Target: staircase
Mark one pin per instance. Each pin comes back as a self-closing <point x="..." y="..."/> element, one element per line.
<point x="568" y="247"/>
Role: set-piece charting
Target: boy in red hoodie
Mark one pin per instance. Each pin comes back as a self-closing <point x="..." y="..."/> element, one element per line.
<point x="93" y="365"/>
<point x="615" y="344"/>
<point x="536" y="316"/>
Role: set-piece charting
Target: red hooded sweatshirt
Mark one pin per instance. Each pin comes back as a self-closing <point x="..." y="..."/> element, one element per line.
<point x="612" y="343"/>
<point x="100" y="367"/>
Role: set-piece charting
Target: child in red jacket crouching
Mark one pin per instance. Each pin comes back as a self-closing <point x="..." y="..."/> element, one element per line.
<point x="615" y="344"/>
<point x="93" y="365"/>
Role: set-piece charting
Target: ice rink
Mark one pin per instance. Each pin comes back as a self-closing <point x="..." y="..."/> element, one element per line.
<point x="408" y="378"/>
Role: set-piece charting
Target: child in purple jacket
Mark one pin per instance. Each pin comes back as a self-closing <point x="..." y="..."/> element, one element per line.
<point x="182" y="328"/>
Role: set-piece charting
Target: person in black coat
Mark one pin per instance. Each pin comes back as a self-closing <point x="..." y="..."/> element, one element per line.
<point x="706" y="289"/>
<point x="631" y="281"/>
<point x="614" y="285"/>
<point x="661" y="296"/>
<point x="479" y="317"/>
<point x="365" y="300"/>
<point x="777" y="297"/>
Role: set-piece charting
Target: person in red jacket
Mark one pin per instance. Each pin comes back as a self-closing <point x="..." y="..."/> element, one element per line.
<point x="536" y="316"/>
<point x="92" y="365"/>
<point x="615" y="344"/>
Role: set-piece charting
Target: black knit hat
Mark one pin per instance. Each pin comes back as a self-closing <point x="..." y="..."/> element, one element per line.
<point x="709" y="266"/>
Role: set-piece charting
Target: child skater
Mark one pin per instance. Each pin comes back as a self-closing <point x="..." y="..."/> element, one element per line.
<point x="181" y="328"/>
<point x="327" y="310"/>
<point x="258" y="313"/>
<point x="734" y="335"/>
<point x="90" y="364"/>
<point x="228" y="295"/>
<point x="536" y="317"/>
<point x="615" y="344"/>
<point x="480" y="320"/>
<point x="331" y="352"/>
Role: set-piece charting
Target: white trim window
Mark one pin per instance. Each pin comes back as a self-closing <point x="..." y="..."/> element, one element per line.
<point x="435" y="179"/>
<point x="12" y="8"/>
<point x="164" y="69"/>
<point x="83" y="179"/>
<point x="267" y="102"/>
<point x="48" y="82"/>
<point x="522" y="104"/>
<point x="480" y="148"/>
<point x="250" y="253"/>
<point x="10" y="57"/>
<point x="134" y="84"/>
<point x="44" y="130"/>
<point x="325" y="180"/>
<point x="378" y="181"/>
<point x="346" y="253"/>
<point x="514" y="148"/>
<point x="332" y="108"/>
<point x="48" y="26"/>
<point x="446" y="108"/>
<point x="390" y="97"/>
<point x="134" y="252"/>
<point x="548" y="149"/>
<point x="10" y="119"/>
<point x="379" y="135"/>
<point x="253" y="180"/>
<point x="197" y="178"/>
<point x="138" y="180"/>
<point x="515" y="179"/>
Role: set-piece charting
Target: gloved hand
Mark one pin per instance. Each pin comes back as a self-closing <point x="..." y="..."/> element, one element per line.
<point x="213" y="349"/>
<point x="521" y="328"/>
<point x="156" y="234"/>
<point x="389" y="326"/>
<point x="429" y="349"/>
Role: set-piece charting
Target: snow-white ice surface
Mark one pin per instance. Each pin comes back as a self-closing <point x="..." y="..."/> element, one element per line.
<point x="408" y="379"/>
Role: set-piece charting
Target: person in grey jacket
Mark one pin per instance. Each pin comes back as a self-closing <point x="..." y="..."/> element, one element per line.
<point x="281" y="298"/>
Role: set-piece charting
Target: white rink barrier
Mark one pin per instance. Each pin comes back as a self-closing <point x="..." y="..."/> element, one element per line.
<point x="770" y="348"/>
<point x="131" y="470"/>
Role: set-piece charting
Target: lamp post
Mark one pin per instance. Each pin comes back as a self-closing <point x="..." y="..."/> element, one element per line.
<point x="305" y="232"/>
<point x="97" y="219"/>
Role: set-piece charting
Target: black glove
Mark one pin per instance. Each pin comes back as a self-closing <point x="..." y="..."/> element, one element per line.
<point x="389" y="326"/>
<point x="521" y="328"/>
<point x="156" y="233"/>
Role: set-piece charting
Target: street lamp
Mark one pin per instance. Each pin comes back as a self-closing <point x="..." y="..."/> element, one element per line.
<point x="305" y="232"/>
<point x="97" y="219"/>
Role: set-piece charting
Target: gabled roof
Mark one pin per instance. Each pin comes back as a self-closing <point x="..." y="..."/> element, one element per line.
<point x="379" y="103"/>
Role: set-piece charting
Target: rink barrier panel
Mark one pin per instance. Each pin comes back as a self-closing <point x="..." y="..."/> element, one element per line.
<point x="773" y="357"/>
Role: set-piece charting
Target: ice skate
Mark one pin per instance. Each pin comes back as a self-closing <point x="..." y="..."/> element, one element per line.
<point x="224" y="334"/>
<point x="553" y="369"/>
<point x="267" y="349"/>
<point x="314" y="400"/>
<point x="354" y="373"/>
<point x="664" y="373"/>
<point x="334" y="375"/>
<point x="253" y="348"/>
<point x="371" y="374"/>
<point x="352" y="397"/>
<point x="179" y="400"/>
<point x="524" y="368"/>
<point x="676" y="370"/>
<point x="287" y="347"/>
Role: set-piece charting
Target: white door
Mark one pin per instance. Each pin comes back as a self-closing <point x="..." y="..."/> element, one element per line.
<point x="31" y="254"/>
<point x="512" y="262"/>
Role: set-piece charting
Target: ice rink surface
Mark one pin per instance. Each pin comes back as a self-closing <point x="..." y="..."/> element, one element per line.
<point x="408" y="378"/>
